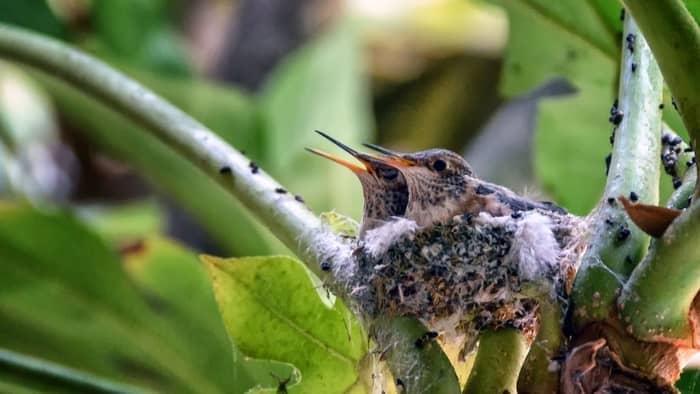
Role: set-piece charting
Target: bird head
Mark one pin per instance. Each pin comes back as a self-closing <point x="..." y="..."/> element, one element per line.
<point x="436" y="178"/>
<point x="383" y="185"/>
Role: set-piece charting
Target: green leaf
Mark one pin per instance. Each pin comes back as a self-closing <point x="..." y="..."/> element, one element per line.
<point x="138" y="31"/>
<point x="23" y="374"/>
<point x="320" y="87"/>
<point x="175" y="280"/>
<point x="123" y="223"/>
<point x="65" y="299"/>
<point x="225" y="111"/>
<point x="689" y="383"/>
<point x="272" y="311"/>
<point x="31" y="14"/>
<point x="576" y="40"/>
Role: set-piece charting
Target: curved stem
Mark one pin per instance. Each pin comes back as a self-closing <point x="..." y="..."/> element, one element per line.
<point x="499" y="358"/>
<point x="674" y="37"/>
<point x="616" y="244"/>
<point x="656" y="301"/>
<point x="287" y="218"/>
<point x="290" y="220"/>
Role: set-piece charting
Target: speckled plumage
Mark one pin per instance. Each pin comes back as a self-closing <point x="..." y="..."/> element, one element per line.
<point x="441" y="185"/>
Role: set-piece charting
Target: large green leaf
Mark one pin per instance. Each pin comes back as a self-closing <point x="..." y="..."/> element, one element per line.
<point x="321" y="86"/>
<point x="65" y="299"/>
<point x="226" y="111"/>
<point x="579" y="41"/>
<point x="177" y="282"/>
<point x="139" y="32"/>
<point x="272" y="310"/>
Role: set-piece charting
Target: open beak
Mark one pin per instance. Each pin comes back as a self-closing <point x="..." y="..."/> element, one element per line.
<point x="351" y="166"/>
<point x="391" y="157"/>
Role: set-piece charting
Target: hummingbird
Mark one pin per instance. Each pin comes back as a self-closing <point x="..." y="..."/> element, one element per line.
<point x="384" y="187"/>
<point x="441" y="185"/>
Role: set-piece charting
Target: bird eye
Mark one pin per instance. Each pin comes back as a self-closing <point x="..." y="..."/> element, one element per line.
<point x="387" y="173"/>
<point x="439" y="165"/>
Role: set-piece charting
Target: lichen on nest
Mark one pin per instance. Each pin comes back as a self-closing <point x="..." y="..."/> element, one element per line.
<point x="472" y="271"/>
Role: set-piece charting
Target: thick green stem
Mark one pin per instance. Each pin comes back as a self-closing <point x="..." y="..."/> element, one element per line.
<point x="288" y="219"/>
<point x="674" y="37"/>
<point x="538" y="374"/>
<point x="656" y="300"/>
<point x="499" y="358"/>
<point x="617" y="245"/>
<point x="418" y="363"/>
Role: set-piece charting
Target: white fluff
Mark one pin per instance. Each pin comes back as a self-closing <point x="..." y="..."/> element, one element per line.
<point x="378" y="240"/>
<point x="535" y="248"/>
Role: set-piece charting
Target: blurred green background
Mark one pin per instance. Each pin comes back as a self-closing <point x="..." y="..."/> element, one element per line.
<point x="100" y="223"/>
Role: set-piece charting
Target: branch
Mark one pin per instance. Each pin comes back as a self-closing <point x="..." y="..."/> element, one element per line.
<point x="674" y="37"/>
<point x="290" y="220"/>
<point x="418" y="366"/>
<point x="285" y="217"/>
<point x="616" y="245"/>
<point x="537" y="374"/>
<point x="656" y="301"/>
<point x="499" y="358"/>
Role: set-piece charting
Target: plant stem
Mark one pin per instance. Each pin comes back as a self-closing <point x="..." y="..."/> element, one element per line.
<point x="617" y="245"/>
<point x="419" y="369"/>
<point x="674" y="38"/>
<point x="656" y="301"/>
<point x="537" y="375"/>
<point x="287" y="218"/>
<point x="290" y="220"/>
<point x="499" y="358"/>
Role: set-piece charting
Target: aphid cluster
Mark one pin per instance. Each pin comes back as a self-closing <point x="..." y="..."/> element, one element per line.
<point x="471" y="268"/>
<point x="674" y="151"/>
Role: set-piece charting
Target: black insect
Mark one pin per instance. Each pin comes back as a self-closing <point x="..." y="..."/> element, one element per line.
<point x="400" y="387"/>
<point x="622" y="14"/>
<point x="326" y="265"/>
<point x="677" y="183"/>
<point x="675" y="106"/>
<point x="281" y="383"/>
<point x="280" y="190"/>
<point x="611" y="201"/>
<point x="690" y="162"/>
<point x="634" y="196"/>
<point x="631" y="40"/>
<point x="615" y="114"/>
<point x="616" y="118"/>
<point x="661" y="106"/>
<point x="633" y="67"/>
<point x="253" y="167"/>
<point x="623" y="233"/>
<point x="225" y="170"/>
<point x="425" y="339"/>
<point x="299" y="198"/>
<point x="608" y="159"/>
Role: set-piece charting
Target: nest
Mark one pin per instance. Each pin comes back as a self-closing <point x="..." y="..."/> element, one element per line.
<point x="474" y="272"/>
